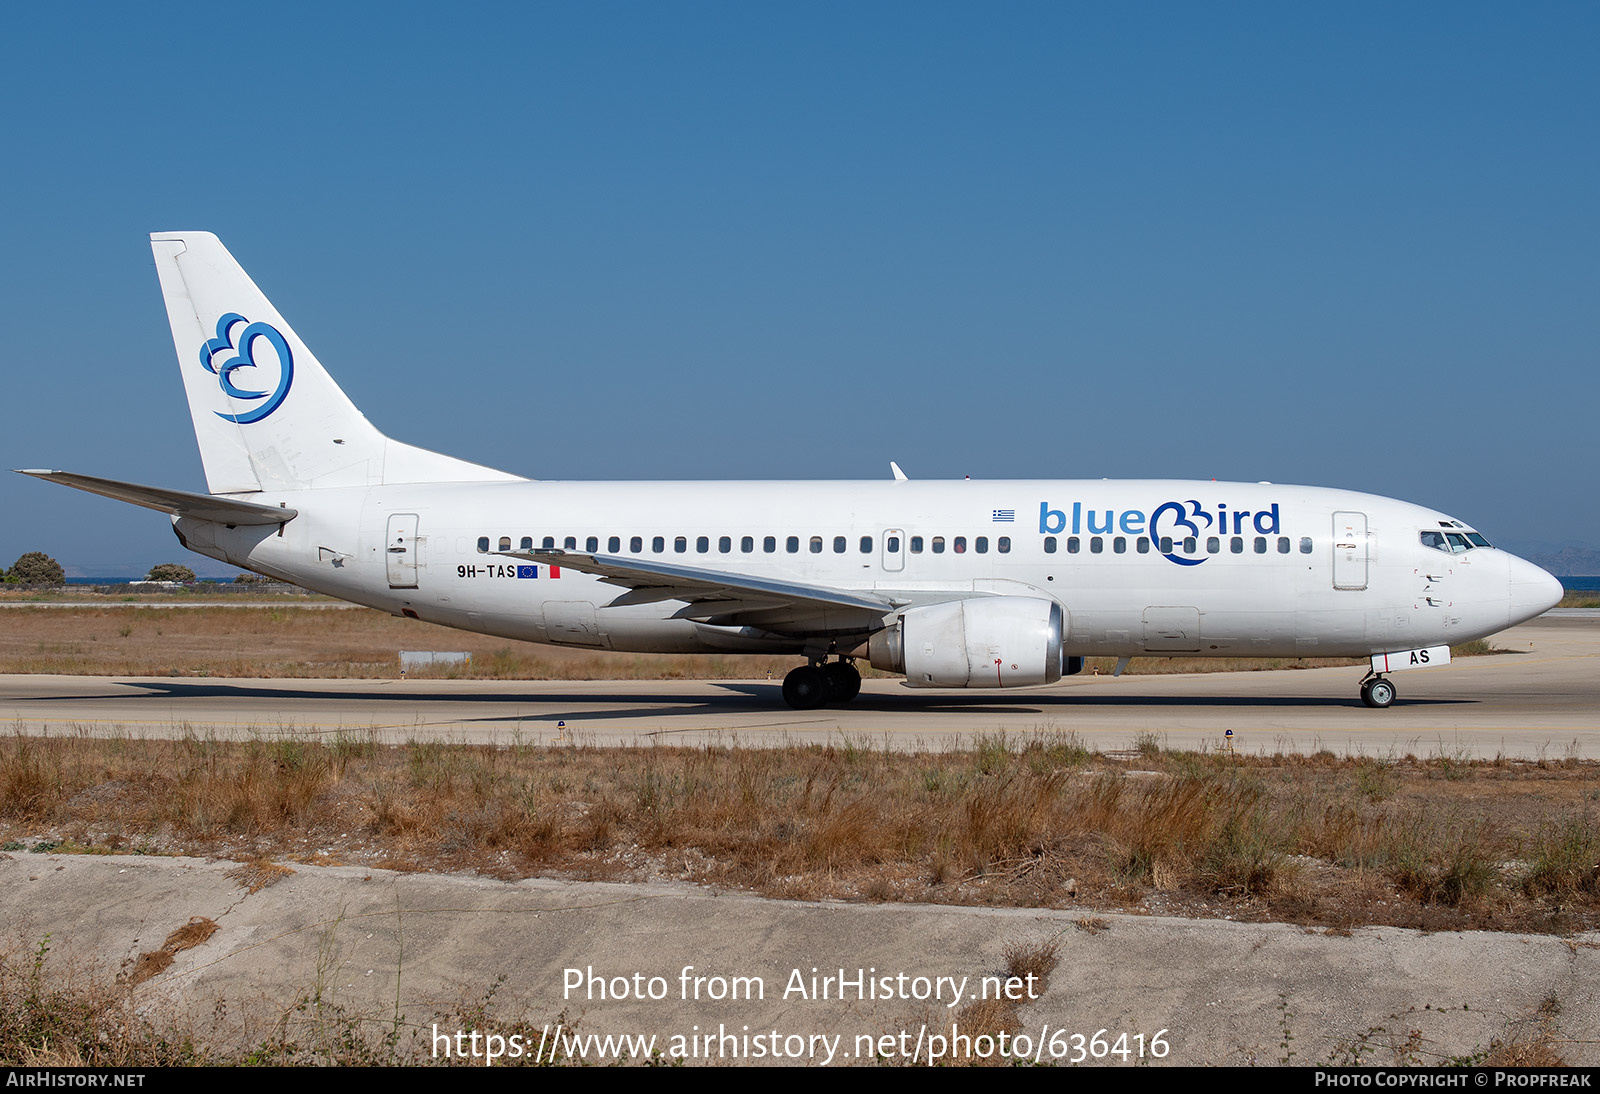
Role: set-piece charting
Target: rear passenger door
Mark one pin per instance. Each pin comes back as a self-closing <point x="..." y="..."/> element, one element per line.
<point x="400" y="554"/>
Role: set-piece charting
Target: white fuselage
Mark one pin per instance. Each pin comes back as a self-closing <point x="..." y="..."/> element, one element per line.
<point x="951" y="584"/>
<point x="1139" y="567"/>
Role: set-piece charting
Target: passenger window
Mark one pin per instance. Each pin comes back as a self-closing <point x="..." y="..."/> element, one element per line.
<point x="505" y="543"/>
<point x="724" y="544"/>
<point x="1120" y="545"/>
<point x="1236" y="545"/>
<point x="680" y="544"/>
<point x="592" y="544"/>
<point x="1072" y="545"/>
<point x="636" y="545"/>
<point x="839" y="545"/>
<point x="1283" y="545"/>
<point x="527" y="544"/>
<point x="747" y="544"/>
<point x="916" y="545"/>
<point x="702" y="544"/>
<point x="1305" y="545"/>
<point x="1213" y="545"/>
<point x="1166" y="545"/>
<point x="981" y="545"/>
<point x="1190" y="545"/>
<point x="938" y="545"/>
<point x="658" y="544"/>
<point x="483" y="545"/>
<point x="866" y="545"/>
<point x="1143" y="544"/>
<point x="1003" y="545"/>
<point x="892" y="545"/>
<point x="959" y="545"/>
<point x="570" y="543"/>
<point x="792" y="545"/>
<point x="1096" y="545"/>
<point x="1049" y="545"/>
<point x="614" y="544"/>
<point x="816" y="545"/>
<point x="1261" y="545"/>
<point x="769" y="544"/>
<point x="549" y="543"/>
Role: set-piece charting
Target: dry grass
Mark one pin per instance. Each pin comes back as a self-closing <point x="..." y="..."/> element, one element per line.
<point x="186" y="937"/>
<point x="52" y="1015"/>
<point x="286" y="641"/>
<point x="65" y="1017"/>
<point x="275" y="639"/>
<point x="1038" y="821"/>
<point x="258" y="875"/>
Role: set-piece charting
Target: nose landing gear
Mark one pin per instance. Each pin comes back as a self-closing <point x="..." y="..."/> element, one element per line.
<point x="812" y="686"/>
<point x="1377" y="692"/>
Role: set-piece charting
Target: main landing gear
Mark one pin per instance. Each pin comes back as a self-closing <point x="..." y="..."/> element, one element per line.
<point x="1377" y="692"/>
<point x="812" y="686"/>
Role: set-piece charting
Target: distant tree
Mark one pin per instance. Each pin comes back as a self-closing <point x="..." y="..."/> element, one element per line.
<point x="170" y="571"/>
<point x="36" y="568"/>
<point x="250" y="579"/>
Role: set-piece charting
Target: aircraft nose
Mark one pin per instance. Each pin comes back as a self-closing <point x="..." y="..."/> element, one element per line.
<point x="1533" y="591"/>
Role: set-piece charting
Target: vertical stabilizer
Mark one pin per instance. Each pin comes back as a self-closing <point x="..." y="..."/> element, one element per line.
<point x="266" y="413"/>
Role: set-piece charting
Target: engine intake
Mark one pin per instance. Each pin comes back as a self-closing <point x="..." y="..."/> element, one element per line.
<point x="984" y="642"/>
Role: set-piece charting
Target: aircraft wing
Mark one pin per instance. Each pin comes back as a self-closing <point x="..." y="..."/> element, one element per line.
<point x="718" y="596"/>
<point x="179" y="503"/>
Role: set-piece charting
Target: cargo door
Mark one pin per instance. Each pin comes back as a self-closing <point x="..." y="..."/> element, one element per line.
<point x="1171" y="629"/>
<point x="572" y="623"/>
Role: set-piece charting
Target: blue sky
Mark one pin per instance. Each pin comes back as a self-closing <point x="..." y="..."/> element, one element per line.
<point x="1351" y="245"/>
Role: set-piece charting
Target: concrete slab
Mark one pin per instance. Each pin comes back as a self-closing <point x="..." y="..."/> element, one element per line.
<point x="369" y="945"/>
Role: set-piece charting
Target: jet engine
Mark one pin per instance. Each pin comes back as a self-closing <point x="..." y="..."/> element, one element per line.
<point x="984" y="642"/>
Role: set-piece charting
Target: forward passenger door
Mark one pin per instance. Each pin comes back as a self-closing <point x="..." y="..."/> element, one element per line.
<point x="1351" y="547"/>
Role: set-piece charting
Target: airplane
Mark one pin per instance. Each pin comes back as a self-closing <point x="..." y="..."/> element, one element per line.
<point x="953" y="584"/>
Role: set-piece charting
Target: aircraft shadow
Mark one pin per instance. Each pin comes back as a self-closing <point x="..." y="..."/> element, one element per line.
<point x="759" y="700"/>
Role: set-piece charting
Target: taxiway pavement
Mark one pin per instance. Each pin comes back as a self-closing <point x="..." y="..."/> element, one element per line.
<point x="1539" y="700"/>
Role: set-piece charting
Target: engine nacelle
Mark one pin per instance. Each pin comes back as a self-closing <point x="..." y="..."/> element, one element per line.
<point x="984" y="642"/>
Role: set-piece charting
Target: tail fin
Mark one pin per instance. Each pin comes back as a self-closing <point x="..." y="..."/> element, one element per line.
<point x="266" y="413"/>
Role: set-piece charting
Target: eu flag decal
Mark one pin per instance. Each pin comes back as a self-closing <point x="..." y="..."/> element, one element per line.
<point x="527" y="571"/>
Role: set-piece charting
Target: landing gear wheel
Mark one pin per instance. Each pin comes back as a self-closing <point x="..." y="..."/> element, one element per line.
<point x="1377" y="693"/>
<point x="806" y="688"/>
<point x="844" y="682"/>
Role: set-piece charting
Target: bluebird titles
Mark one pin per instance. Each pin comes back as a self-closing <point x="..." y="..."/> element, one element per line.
<point x="1181" y="516"/>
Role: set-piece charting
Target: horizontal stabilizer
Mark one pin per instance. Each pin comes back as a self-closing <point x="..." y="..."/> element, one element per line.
<point x="179" y="503"/>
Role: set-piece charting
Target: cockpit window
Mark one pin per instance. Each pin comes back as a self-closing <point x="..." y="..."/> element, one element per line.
<point x="1452" y="542"/>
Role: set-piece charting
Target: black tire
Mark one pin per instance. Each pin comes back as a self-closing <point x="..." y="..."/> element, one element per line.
<point x="806" y="688"/>
<point x="844" y="682"/>
<point x="1378" y="694"/>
